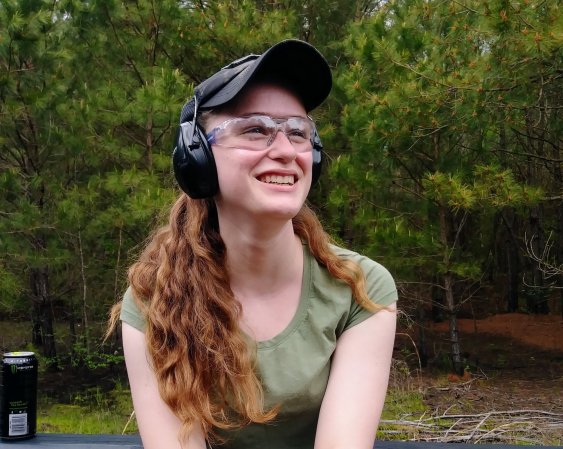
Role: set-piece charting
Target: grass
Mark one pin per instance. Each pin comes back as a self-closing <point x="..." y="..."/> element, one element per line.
<point x="404" y="400"/>
<point x="98" y="412"/>
<point x="91" y="412"/>
<point x="400" y="403"/>
<point x="94" y="411"/>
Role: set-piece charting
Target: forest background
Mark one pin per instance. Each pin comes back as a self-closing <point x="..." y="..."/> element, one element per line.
<point x="442" y="139"/>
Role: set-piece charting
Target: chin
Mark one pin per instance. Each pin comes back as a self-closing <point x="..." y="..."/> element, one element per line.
<point x="280" y="211"/>
<point x="286" y="213"/>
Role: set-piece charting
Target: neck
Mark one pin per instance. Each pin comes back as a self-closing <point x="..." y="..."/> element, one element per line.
<point x="261" y="256"/>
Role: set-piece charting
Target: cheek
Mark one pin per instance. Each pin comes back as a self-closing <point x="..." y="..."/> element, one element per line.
<point x="225" y="168"/>
<point x="231" y="165"/>
<point x="305" y="161"/>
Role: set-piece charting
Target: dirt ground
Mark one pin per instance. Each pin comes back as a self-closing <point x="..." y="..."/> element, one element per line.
<point x="514" y="365"/>
<point x="542" y="331"/>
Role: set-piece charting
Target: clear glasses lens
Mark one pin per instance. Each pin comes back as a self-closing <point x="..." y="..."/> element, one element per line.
<point x="258" y="132"/>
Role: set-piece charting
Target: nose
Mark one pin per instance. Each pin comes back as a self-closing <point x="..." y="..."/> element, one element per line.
<point x="282" y="148"/>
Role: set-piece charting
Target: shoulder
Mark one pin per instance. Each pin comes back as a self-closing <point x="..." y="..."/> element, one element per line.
<point x="354" y="256"/>
<point x="378" y="278"/>
<point x="131" y="312"/>
<point x="379" y="283"/>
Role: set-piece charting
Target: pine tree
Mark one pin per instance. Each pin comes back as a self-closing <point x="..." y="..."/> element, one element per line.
<point x="34" y="157"/>
<point x="423" y="130"/>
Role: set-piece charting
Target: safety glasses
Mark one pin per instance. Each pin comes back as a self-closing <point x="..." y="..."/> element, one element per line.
<point x="258" y="132"/>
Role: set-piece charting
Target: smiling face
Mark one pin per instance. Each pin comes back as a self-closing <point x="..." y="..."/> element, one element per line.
<point x="257" y="184"/>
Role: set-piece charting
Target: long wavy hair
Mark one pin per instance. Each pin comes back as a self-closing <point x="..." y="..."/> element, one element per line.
<point x="203" y="362"/>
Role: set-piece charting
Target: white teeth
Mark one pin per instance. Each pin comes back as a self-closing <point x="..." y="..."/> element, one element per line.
<point x="278" y="179"/>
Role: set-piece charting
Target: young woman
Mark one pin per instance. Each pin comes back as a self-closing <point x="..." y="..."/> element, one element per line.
<point x="243" y="326"/>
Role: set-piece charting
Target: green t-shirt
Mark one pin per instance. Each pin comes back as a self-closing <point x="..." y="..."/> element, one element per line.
<point x="294" y="365"/>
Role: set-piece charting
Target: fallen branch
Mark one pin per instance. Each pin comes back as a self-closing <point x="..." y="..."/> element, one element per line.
<point x="494" y="426"/>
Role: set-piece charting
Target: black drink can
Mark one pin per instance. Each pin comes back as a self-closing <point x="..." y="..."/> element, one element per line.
<point x="18" y="396"/>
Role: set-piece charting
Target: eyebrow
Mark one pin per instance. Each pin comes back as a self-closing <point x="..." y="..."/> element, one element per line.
<point x="250" y="114"/>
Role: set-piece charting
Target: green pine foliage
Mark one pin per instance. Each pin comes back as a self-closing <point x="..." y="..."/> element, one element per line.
<point x="426" y="94"/>
<point x="442" y="138"/>
<point x="439" y="99"/>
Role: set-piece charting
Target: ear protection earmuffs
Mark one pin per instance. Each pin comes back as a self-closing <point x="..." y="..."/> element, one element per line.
<point x="317" y="158"/>
<point x="194" y="164"/>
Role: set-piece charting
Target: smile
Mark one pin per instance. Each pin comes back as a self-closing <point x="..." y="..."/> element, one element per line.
<point x="278" y="179"/>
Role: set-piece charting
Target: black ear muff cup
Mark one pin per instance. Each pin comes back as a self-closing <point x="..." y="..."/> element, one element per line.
<point x="193" y="162"/>
<point x="317" y="158"/>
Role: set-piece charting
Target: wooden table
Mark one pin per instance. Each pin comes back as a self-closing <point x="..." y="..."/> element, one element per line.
<point x="67" y="441"/>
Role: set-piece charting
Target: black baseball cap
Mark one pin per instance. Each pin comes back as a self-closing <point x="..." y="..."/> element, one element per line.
<point x="297" y="64"/>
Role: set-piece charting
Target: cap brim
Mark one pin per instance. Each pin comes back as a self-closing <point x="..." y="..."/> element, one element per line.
<point x="297" y="63"/>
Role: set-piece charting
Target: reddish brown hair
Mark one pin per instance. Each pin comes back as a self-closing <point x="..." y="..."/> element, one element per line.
<point x="181" y="284"/>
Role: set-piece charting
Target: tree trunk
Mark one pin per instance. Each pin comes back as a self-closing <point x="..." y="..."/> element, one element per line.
<point x="513" y="278"/>
<point x="559" y="240"/>
<point x="537" y="299"/>
<point x="558" y="169"/>
<point x="512" y="259"/>
<point x="72" y="328"/>
<point x="437" y="300"/>
<point x="42" y="313"/>
<point x="86" y="328"/>
<point x="454" y="333"/>
<point x="422" y="345"/>
<point x="36" y="337"/>
<point x="148" y="142"/>
<point x="449" y="293"/>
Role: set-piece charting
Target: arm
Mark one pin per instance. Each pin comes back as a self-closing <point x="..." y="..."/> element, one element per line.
<point x="357" y="385"/>
<point x="157" y="424"/>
